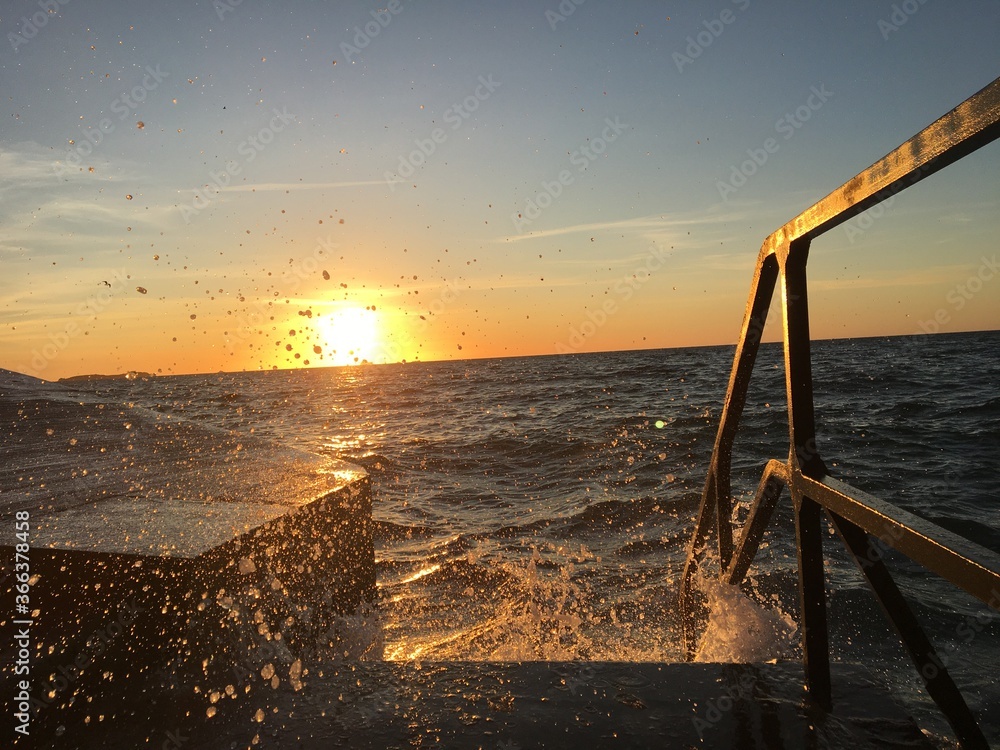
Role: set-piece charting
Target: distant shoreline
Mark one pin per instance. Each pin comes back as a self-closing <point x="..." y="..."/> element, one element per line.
<point x="133" y="375"/>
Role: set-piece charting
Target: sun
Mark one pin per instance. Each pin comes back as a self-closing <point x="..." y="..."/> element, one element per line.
<point x="350" y="336"/>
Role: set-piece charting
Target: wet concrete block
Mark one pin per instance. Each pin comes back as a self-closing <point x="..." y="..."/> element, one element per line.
<point x="160" y="549"/>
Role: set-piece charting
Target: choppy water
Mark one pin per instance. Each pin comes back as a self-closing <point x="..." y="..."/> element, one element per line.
<point x="539" y="508"/>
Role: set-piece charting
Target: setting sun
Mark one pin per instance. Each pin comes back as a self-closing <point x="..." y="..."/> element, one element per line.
<point x="350" y="336"/>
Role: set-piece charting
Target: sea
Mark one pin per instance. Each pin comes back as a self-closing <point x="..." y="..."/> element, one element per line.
<point x="540" y="508"/>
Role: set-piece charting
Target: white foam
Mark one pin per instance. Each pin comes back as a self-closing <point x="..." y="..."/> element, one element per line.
<point x="740" y="630"/>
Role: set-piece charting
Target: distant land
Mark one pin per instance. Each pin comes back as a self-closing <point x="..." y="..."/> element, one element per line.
<point x="133" y="375"/>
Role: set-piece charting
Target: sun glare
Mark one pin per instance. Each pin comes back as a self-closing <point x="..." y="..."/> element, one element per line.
<point x="350" y="336"/>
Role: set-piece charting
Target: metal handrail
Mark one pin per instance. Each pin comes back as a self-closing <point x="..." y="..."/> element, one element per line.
<point x="854" y="514"/>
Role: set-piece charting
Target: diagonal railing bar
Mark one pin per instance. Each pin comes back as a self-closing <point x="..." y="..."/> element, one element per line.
<point x="966" y="564"/>
<point x="968" y="127"/>
<point x="764" y="502"/>
<point x="858" y="517"/>
<point x="716" y="494"/>
<point x="929" y="665"/>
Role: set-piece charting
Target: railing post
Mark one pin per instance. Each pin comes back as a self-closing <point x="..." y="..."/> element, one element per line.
<point x="969" y="126"/>
<point x="804" y="458"/>
<point x="812" y="597"/>
<point x="804" y="453"/>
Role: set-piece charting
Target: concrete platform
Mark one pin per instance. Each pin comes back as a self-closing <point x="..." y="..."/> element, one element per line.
<point x="377" y="705"/>
<point x="161" y="546"/>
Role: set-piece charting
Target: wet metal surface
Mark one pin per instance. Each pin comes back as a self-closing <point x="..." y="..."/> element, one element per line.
<point x="814" y="494"/>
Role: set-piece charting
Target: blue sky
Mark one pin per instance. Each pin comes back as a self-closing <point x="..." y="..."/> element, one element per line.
<point x="281" y="142"/>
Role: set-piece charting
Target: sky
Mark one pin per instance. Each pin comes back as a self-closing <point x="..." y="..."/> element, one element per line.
<point x="205" y="186"/>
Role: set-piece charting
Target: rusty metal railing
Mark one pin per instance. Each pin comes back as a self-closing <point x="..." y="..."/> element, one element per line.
<point x="855" y="515"/>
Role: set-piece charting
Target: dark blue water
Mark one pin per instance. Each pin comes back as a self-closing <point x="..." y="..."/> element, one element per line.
<point x="539" y="508"/>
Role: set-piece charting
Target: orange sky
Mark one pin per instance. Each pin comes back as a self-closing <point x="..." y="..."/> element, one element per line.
<point x="200" y="188"/>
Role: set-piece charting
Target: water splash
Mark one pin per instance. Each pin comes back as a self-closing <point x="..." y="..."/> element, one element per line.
<point x="544" y="615"/>
<point x="742" y="631"/>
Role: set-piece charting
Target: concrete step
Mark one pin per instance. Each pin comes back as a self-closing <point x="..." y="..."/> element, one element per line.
<point x="379" y="705"/>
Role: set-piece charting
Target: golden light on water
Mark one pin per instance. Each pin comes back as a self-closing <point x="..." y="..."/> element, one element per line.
<point x="421" y="573"/>
<point x="350" y="336"/>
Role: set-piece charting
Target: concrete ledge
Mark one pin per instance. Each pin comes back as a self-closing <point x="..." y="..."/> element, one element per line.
<point x="378" y="705"/>
<point x="162" y="550"/>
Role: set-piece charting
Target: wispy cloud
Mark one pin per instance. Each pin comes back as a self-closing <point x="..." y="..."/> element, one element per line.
<point x="265" y="187"/>
<point x="634" y="225"/>
<point x="917" y="277"/>
<point x="26" y="164"/>
<point x="41" y="205"/>
<point x="739" y="261"/>
<point x="57" y="224"/>
<point x="957" y="217"/>
<point x="649" y="226"/>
